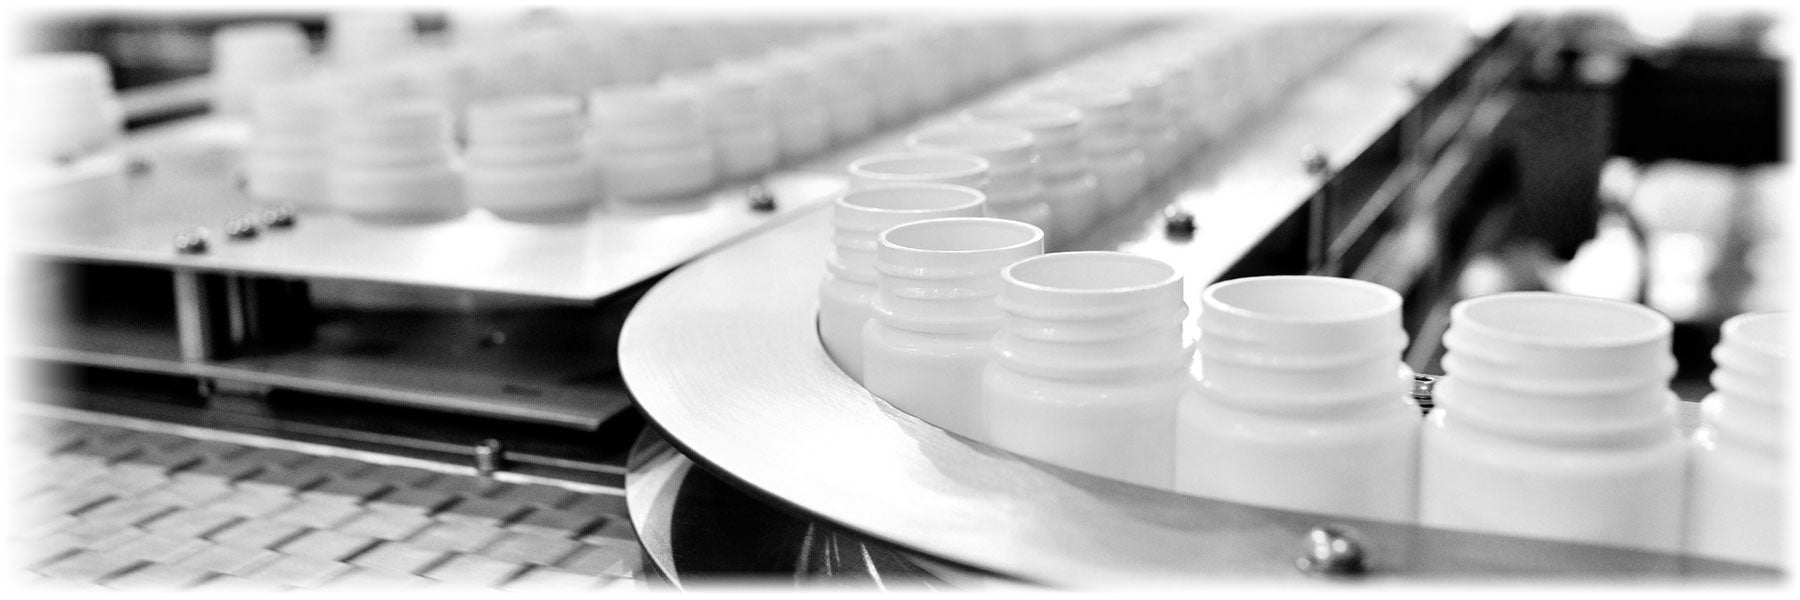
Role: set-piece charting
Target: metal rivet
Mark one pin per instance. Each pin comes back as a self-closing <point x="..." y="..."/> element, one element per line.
<point x="490" y="456"/>
<point x="192" y="242"/>
<point x="1179" y="223"/>
<point x="279" y="217"/>
<point x="1315" y="160"/>
<point x="1422" y="389"/>
<point x="1333" y="550"/>
<point x="242" y="228"/>
<point x="761" y="200"/>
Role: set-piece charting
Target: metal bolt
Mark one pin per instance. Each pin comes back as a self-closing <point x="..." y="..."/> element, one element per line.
<point x="1421" y="391"/>
<point x="242" y="228"/>
<point x="1417" y="85"/>
<point x="279" y="217"/>
<point x="192" y="242"/>
<point x="490" y="456"/>
<point x="761" y="200"/>
<point x="1333" y="550"/>
<point x="1179" y="224"/>
<point x="1315" y="161"/>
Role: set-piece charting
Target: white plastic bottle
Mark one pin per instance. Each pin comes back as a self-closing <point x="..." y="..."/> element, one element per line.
<point x="1070" y="188"/>
<point x="935" y="315"/>
<point x="247" y="56"/>
<point x="1089" y="366"/>
<point x="802" y="124"/>
<point x="1156" y="133"/>
<point x="1013" y="189"/>
<point x="1736" y="492"/>
<point x="289" y="145"/>
<point x="525" y="160"/>
<point x="1300" y="404"/>
<point x="650" y="146"/>
<point x="361" y="36"/>
<point x="1107" y="138"/>
<point x="845" y="82"/>
<point x="61" y="106"/>
<point x="739" y="121"/>
<point x="920" y="167"/>
<point x="395" y="163"/>
<point x="858" y="216"/>
<point x="1555" y="420"/>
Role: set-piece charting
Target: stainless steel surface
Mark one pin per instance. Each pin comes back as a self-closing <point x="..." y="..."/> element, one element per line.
<point x="724" y="358"/>
<point x="193" y="186"/>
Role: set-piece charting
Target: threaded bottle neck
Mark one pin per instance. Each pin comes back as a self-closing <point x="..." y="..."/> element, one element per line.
<point x="860" y="215"/>
<point x="941" y="276"/>
<point x="1301" y="346"/>
<point x="1750" y="383"/>
<point x="1091" y="317"/>
<point x="1558" y="369"/>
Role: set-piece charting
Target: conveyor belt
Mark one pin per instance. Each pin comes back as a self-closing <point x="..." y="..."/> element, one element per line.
<point x="121" y="508"/>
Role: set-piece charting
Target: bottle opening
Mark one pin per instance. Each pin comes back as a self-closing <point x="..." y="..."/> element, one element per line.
<point x="1767" y="331"/>
<point x="962" y="235"/>
<point x="890" y="166"/>
<point x="1562" y="320"/>
<point x="1030" y="115"/>
<point x="912" y="197"/>
<point x="1302" y="298"/>
<point x="1091" y="272"/>
<point x="971" y="138"/>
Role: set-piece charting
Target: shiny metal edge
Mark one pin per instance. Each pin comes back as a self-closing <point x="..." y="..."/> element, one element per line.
<point x="723" y="357"/>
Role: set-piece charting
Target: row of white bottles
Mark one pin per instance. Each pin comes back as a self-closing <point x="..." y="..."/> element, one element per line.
<point x="1554" y="418"/>
<point x="648" y="144"/>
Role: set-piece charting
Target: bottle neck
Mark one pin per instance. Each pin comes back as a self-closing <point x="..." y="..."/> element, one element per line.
<point x="1745" y="410"/>
<point x="1122" y="336"/>
<point x="1586" y="397"/>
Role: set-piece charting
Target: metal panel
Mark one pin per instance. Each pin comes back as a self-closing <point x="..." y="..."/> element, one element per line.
<point x="191" y="181"/>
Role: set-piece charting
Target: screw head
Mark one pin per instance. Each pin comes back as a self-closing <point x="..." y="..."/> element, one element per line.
<point x="242" y="228"/>
<point x="280" y="216"/>
<point x="1315" y="161"/>
<point x="192" y="242"/>
<point x="489" y="455"/>
<point x="761" y="199"/>
<point x="1178" y="223"/>
<point x="1333" y="550"/>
